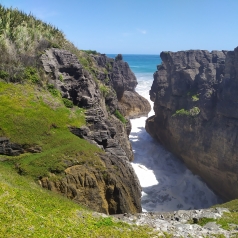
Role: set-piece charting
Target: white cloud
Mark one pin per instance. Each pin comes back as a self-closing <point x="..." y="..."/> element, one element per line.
<point x="142" y="31"/>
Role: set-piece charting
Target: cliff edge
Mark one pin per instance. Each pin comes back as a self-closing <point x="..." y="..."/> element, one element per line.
<point x="114" y="189"/>
<point x="195" y="103"/>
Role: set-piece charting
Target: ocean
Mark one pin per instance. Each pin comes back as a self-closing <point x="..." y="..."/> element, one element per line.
<point x="167" y="185"/>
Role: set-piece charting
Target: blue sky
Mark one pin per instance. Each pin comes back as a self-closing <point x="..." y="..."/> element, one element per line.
<point x="140" y="26"/>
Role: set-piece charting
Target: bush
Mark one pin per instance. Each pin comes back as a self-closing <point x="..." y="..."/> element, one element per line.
<point x="104" y="90"/>
<point x="30" y="74"/>
<point x="120" y="116"/>
<point x="61" y="78"/>
<point x="94" y="52"/>
<point x="192" y="112"/>
<point x="3" y="74"/>
<point x="68" y="103"/>
<point x="181" y="112"/>
<point x="195" y="97"/>
<point x="53" y="90"/>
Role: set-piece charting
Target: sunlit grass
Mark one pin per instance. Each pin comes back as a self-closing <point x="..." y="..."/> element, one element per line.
<point x="28" y="211"/>
<point x="31" y="117"/>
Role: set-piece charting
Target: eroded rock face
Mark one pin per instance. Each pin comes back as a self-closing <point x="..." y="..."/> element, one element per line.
<point x="121" y="77"/>
<point x="195" y="96"/>
<point x="123" y="81"/>
<point x="14" y="149"/>
<point x="115" y="188"/>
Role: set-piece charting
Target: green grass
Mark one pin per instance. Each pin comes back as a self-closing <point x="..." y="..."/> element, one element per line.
<point x="94" y="52"/>
<point x="68" y="103"/>
<point x="181" y="112"/>
<point x="231" y="217"/>
<point x="104" y="90"/>
<point x="228" y="221"/>
<point x="61" y="78"/>
<point x="30" y="117"/>
<point x="31" y="75"/>
<point x="120" y="116"/>
<point x="193" y="112"/>
<point x="29" y="211"/>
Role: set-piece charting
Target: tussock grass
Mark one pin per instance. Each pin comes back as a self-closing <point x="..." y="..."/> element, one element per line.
<point x="24" y="31"/>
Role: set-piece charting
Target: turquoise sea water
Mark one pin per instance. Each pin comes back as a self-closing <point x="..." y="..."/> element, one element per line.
<point x="141" y="63"/>
<point x="167" y="185"/>
<point x="143" y="66"/>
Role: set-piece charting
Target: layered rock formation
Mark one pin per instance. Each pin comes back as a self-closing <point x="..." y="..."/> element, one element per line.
<point x="114" y="188"/>
<point x="14" y="149"/>
<point x="195" y="96"/>
<point x="120" y="77"/>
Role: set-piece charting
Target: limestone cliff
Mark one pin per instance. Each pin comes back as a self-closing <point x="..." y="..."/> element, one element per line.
<point x="120" y="77"/>
<point x="195" y="103"/>
<point x="115" y="188"/>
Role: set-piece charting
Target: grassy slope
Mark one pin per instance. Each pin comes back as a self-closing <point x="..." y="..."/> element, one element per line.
<point x="32" y="116"/>
<point x="27" y="114"/>
<point x="28" y="211"/>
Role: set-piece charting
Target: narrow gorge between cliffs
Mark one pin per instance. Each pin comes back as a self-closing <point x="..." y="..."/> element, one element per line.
<point x="167" y="185"/>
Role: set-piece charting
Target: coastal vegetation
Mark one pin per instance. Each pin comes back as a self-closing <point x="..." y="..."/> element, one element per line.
<point x="182" y="112"/>
<point x="29" y="211"/>
<point x="120" y="116"/>
<point x="34" y="115"/>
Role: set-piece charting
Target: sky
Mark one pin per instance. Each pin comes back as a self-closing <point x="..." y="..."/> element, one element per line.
<point x="140" y="26"/>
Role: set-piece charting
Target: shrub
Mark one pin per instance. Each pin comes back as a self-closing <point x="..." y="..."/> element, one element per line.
<point x="94" y="52"/>
<point x="3" y="74"/>
<point x="25" y="31"/>
<point x="53" y="90"/>
<point x="194" y="111"/>
<point x="195" y="97"/>
<point x="68" y="103"/>
<point x="61" y="78"/>
<point x="104" y="90"/>
<point x="83" y="61"/>
<point x="30" y="74"/>
<point x="182" y="112"/>
<point x="120" y="116"/>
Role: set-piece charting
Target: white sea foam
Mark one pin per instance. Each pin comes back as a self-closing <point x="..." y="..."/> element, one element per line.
<point x="167" y="184"/>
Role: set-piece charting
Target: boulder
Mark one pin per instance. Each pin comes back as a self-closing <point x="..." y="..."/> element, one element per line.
<point x="133" y="105"/>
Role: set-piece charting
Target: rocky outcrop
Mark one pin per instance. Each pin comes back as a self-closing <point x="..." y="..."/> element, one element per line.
<point x="114" y="187"/>
<point x="120" y="77"/>
<point x="119" y="74"/>
<point x="14" y="149"/>
<point x="195" y="103"/>
<point x="183" y="223"/>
